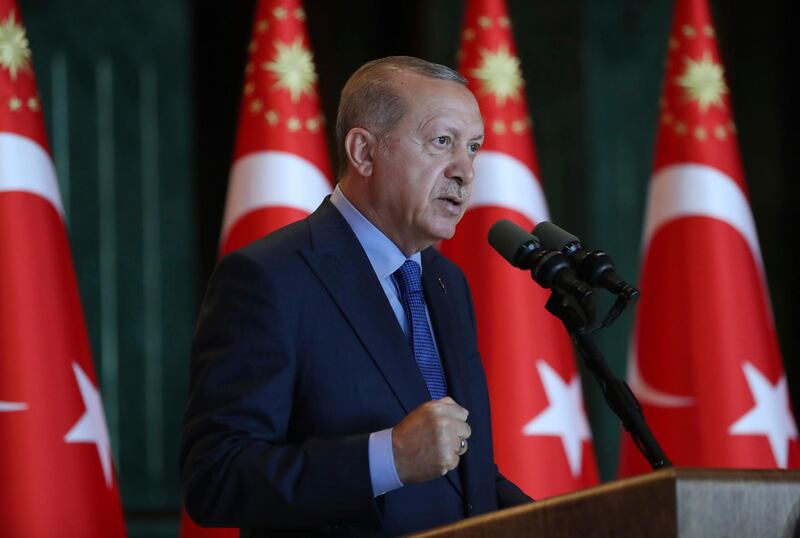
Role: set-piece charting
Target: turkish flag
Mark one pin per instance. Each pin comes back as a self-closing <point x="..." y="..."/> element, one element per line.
<point x="705" y="362"/>
<point x="281" y="171"/>
<point x="541" y="435"/>
<point x="56" y="473"/>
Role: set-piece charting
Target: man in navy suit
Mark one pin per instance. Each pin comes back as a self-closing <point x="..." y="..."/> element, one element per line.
<point x="336" y="386"/>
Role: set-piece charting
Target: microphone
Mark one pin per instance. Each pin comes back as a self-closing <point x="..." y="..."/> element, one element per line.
<point x="513" y="243"/>
<point x="549" y="268"/>
<point x="593" y="267"/>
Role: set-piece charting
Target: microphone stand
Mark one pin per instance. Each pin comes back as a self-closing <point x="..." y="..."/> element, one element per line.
<point x="577" y="318"/>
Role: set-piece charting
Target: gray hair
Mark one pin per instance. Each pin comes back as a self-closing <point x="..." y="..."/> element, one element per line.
<point x="369" y="98"/>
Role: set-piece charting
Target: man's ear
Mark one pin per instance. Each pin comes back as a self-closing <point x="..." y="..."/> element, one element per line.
<point x="360" y="146"/>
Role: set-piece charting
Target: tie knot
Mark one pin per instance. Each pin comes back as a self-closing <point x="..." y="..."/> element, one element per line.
<point x="409" y="278"/>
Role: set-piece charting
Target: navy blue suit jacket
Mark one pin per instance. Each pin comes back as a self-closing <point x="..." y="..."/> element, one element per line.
<point x="297" y="358"/>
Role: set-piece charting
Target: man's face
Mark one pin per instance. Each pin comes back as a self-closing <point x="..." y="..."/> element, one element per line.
<point x="423" y="170"/>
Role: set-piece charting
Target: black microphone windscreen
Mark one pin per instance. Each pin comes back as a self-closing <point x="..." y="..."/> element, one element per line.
<point x="554" y="238"/>
<point x="507" y="239"/>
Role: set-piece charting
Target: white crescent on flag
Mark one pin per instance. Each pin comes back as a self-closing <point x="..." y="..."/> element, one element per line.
<point x="690" y="190"/>
<point x="696" y="190"/>
<point x="26" y="166"/>
<point x="272" y="179"/>
<point x="503" y="181"/>
<point x="648" y="393"/>
<point x="6" y="407"/>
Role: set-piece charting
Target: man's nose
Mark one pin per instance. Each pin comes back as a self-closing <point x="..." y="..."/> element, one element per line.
<point x="461" y="167"/>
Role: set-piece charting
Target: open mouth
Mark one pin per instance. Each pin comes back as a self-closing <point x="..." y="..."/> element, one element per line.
<point x="452" y="203"/>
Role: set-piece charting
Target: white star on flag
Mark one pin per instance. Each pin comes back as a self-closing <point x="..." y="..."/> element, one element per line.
<point x="770" y="416"/>
<point x="12" y="406"/>
<point x="91" y="427"/>
<point x="564" y="417"/>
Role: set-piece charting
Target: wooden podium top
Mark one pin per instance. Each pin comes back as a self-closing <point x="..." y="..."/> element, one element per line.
<point x="674" y="502"/>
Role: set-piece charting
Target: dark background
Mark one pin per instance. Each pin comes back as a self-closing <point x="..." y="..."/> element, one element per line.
<point x="141" y="101"/>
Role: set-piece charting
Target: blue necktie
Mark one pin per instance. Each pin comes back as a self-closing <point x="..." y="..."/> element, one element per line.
<point x="409" y="278"/>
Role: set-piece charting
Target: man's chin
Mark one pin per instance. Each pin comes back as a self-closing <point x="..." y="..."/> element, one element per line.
<point x="442" y="229"/>
<point x="445" y="233"/>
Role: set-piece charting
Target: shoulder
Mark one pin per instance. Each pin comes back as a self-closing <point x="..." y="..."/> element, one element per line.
<point x="323" y="229"/>
<point x="267" y="267"/>
<point x="277" y="248"/>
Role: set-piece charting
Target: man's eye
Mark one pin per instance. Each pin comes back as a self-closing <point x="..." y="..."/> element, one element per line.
<point x="442" y="140"/>
<point x="474" y="147"/>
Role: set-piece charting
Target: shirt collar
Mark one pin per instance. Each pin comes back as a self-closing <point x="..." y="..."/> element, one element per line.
<point x="383" y="254"/>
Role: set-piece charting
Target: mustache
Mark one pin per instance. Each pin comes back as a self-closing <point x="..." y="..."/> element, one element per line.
<point x="459" y="193"/>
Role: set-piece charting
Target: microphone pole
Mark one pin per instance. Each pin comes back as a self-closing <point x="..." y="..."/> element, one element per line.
<point x="616" y="392"/>
<point x="567" y="303"/>
<point x="620" y="399"/>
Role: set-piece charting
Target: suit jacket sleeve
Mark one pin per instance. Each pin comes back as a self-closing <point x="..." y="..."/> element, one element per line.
<point x="238" y="467"/>
<point x="508" y="494"/>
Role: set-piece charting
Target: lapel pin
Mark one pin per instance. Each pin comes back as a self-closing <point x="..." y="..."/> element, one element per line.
<point x="441" y="283"/>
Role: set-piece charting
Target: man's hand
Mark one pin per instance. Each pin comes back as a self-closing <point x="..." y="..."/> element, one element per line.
<point x="428" y="442"/>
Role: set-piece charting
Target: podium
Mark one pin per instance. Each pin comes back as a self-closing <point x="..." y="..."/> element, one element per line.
<point x="674" y="502"/>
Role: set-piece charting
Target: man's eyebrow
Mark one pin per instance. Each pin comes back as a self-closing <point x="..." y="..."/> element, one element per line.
<point x="436" y="125"/>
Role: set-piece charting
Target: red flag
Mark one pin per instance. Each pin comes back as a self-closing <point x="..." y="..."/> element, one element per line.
<point x="541" y="435"/>
<point x="57" y="474"/>
<point x="705" y="362"/>
<point x="281" y="171"/>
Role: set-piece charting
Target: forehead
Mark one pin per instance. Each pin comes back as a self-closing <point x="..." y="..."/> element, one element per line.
<point x="428" y="100"/>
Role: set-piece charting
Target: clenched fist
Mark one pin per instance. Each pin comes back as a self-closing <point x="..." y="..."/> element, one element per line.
<point x="430" y="440"/>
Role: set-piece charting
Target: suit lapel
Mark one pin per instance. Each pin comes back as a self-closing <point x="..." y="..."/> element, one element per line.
<point x="441" y="308"/>
<point x="339" y="261"/>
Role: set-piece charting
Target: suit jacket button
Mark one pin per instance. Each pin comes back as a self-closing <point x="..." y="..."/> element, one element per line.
<point x="469" y="507"/>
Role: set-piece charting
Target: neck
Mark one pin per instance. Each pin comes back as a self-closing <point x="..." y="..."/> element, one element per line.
<point x="358" y="194"/>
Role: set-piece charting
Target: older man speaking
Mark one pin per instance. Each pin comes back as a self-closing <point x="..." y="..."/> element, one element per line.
<point x="336" y="386"/>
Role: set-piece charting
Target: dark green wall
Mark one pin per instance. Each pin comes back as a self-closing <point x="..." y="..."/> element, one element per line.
<point x="114" y="78"/>
<point x="141" y="101"/>
<point x="623" y="57"/>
